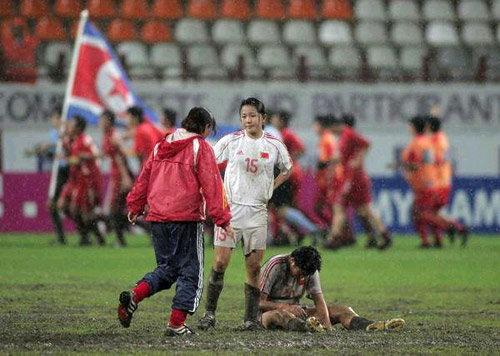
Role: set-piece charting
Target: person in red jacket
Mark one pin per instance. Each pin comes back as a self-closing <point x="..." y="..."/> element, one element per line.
<point x="178" y="180"/>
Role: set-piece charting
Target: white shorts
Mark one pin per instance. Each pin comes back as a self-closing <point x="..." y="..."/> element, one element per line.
<point x="250" y="226"/>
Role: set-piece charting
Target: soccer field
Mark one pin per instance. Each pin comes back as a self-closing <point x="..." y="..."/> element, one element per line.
<point x="64" y="299"/>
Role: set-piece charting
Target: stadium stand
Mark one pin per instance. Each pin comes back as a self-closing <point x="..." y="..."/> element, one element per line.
<point x="412" y="36"/>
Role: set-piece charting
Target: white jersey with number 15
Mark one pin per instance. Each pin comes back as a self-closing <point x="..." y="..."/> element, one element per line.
<point x="249" y="177"/>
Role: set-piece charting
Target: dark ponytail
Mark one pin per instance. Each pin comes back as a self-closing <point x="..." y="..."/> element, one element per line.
<point x="197" y="119"/>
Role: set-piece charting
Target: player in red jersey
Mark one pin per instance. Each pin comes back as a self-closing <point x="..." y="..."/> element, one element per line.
<point x="146" y="135"/>
<point x="354" y="187"/>
<point x="168" y="120"/>
<point x="444" y="174"/>
<point x="121" y="177"/>
<point x="81" y="194"/>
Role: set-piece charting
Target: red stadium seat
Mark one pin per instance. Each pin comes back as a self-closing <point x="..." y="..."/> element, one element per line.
<point x="235" y="9"/>
<point x="5" y="28"/>
<point x="34" y="8"/>
<point x="50" y="29"/>
<point x="302" y="9"/>
<point x="68" y="8"/>
<point x="101" y="8"/>
<point x="336" y="9"/>
<point x="270" y="9"/>
<point x="167" y="9"/>
<point x="156" y="31"/>
<point x="202" y="9"/>
<point x="134" y="9"/>
<point x="121" y="30"/>
<point x="6" y="9"/>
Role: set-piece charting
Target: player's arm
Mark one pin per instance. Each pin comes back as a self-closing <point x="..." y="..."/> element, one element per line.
<point x="119" y="157"/>
<point x="282" y="177"/>
<point x="321" y="310"/>
<point x="138" y="196"/>
<point x="266" y="305"/>
<point x="285" y="165"/>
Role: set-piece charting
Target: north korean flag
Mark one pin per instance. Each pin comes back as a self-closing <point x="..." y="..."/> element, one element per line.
<point x="100" y="82"/>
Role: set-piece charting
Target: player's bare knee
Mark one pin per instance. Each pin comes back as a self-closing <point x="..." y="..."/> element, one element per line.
<point x="220" y="265"/>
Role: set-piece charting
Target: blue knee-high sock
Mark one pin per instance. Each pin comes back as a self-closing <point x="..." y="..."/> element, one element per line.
<point x="296" y="217"/>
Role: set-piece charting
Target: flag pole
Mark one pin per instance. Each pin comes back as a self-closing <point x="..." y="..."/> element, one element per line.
<point x="69" y="87"/>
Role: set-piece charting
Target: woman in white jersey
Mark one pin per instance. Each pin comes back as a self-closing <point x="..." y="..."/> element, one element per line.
<point x="251" y="155"/>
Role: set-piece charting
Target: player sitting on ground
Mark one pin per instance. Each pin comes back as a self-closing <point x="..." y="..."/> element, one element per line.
<point x="283" y="282"/>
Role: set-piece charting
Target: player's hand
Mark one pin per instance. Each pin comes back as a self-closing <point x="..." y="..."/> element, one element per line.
<point x="296" y="310"/>
<point x="132" y="218"/>
<point x="229" y="231"/>
<point x="126" y="184"/>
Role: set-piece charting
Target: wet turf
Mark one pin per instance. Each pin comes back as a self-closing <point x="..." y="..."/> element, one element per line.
<point x="63" y="300"/>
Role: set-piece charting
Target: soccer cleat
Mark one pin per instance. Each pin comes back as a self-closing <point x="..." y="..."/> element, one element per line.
<point x="251" y="325"/>
<point x="313" y="325"/>
<point x="126" y="308"/>
<point x="207" y="321"/>
<point x="386" y="325"/>
<point x="179" y="331"/>
<point x="372" y="243"/>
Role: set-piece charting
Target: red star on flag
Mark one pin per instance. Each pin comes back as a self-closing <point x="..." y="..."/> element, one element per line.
<point x="119" y="88"/>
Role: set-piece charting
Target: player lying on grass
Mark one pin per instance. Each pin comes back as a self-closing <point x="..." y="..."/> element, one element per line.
<point x="283" y="282"/>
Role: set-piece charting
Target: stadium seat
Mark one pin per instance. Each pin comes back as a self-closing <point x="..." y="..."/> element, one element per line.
<point x="270" y="9"/>
<point x="202" y="9"/>
<point x="477" y="34"/>
<point x="167" y="9"/>
<point x="315" y="60"/>
<point x="236" y="9"/>
<point x="276" y="60"/>
<point x="473" y="10"/>
<point x="134" y="9"/>
<point x="230" y="56"/>
<point x="34" y="8"/>
<point x="438" y="10"/>
<point x="101" y="8"/>
<point x="73" y="29"/>
<point x="228" y="31"/>
<point x="68" y="8"/>
<point x="336" y="9"/>
<point x="383" y="60"/>
<point x="191" y="31"/>
<point x="299" y="32"/>
<point x="345" y="60"/>
<point x="406" y="33"/>
<point x="492" y="55"/>
<point x="333" y="32"/>
<point x="50" y="29"/>
<point x="121" y="30"/>
<point x="371" y="33"/>
<point x="411" y="58"/>
<point x="495" y="10"/>
<point x="52" y="52"/>
<point x="156" y="31"/>
<point x="455" y="63"/>
<point x="203" y="59"/>
<point x="498" y="33"/>
<point x="404" y="10"/>
<point x="262" y="32"/>
<point x="440" y="33"/>
<point x="302" y="9"/>
<point x="166" y="55"/>
<point x="7" y="9"/>
<point x="135" y="53"/>
<point x="370" y="10"/>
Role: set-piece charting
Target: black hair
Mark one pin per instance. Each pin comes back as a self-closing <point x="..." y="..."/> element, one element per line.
<point x="170" y="115"/>
<point x="197" y="120"/>
<point x="256" y="103"/>
<point x="307" y="258"/>
<point x="56" y="110"/>
<point x="418" y="123"/>
<point x="323" y="120"/>
<point x="80" y="123"/>
<point x="108" y="114"/>
<point x="434" y="123"/>
<point x="349" y="120"/>
<point x="284" y="117"/>
<point x="136" y="112"/>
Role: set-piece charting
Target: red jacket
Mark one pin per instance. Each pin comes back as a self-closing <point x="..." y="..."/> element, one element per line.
<point x="177" y="183"/>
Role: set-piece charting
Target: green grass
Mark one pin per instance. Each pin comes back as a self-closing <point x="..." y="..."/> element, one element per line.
<point x="63" y="300"/>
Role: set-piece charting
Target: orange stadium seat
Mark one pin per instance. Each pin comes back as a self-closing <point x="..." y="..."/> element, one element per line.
<point x="167" y="9"/>
<point x="101" y="8"/>
<point x="202" y="9"/>
<point x="121" y="30"/>
<point x="6" y="9"/>
<point x="68" y="8"/>
<point x="156" y="31"/>
<point x="235" y="9"/>
<point x="302" y="9"/>
<point x="34" y="8"/>
<point x="336" y="9"/>
<point x="270" y="9"/>
<point x="50" y="29"/>
<point x="134" y="9"/>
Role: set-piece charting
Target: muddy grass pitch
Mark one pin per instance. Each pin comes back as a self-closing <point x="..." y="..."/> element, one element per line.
<point x="63" y="300"/>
